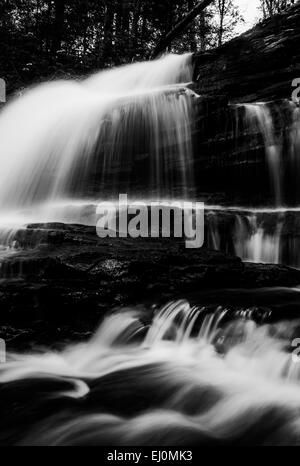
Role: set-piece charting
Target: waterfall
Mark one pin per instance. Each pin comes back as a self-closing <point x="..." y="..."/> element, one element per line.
<point x="254" y="243"/>
<point x="130" y="130"/>
<point x="175" y="374"/>
<point x="259" y="118"/>
<point x="256" y="235"/>
<point x="265" y="234"/>
<point x="278" y="125"/>
<point x="80" y="139"/>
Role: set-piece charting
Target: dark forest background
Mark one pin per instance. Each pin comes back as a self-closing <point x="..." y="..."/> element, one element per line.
<point x="66" y="38"/>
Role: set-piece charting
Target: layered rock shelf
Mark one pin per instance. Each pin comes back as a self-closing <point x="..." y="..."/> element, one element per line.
<point x="64" y="279"/>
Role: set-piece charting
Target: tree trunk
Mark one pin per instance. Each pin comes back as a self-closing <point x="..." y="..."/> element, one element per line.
<point x="58" y="29"/>
<point x="135" y="24"/>
<point x="221" y="27"/>
<point x="108" y="33"/>
<point x="192" y="29"/>
<point x="125" y="26"/>
<point x="202" y="32"/>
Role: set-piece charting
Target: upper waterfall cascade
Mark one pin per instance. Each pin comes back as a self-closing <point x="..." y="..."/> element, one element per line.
<point x="79" y="142"/>
<point x="73" y="138"/>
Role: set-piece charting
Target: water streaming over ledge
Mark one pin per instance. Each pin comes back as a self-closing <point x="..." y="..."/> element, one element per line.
<point x="259" y="118"/>
<point x="271" y="233"/>
<point x="277" y="126"/>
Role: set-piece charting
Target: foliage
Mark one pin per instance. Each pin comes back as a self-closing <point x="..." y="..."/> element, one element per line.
<point x="272" y="7"/>
<point x="44" y="39"/>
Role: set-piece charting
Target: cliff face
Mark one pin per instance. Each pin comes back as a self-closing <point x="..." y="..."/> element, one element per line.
<point x="230" y="154"/>
<point x="236" y="148"/>
<point x="258" y="65"/>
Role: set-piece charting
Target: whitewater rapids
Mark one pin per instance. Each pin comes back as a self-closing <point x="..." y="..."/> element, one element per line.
<point x="186" y="377"/>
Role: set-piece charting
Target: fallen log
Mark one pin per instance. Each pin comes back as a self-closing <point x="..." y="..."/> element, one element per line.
<point x="178" y="29"/>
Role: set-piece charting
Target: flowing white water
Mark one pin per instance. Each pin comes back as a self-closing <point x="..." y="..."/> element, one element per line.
<point x="253" y="243"/>
<point x="255" y="235"/>
<point x="271" y="234"/>
<point x="259" y="116"/>
<point x="259" y="236"/>
<point x="189" y="377"/>
<point x="68" y="139"/>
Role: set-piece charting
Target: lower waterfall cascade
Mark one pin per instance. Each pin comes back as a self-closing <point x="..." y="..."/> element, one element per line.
<point x="191" y="377"/>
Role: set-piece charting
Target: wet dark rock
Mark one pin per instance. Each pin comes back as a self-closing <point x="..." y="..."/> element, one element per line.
<point x="265" y="275"/>
<point x="58" y="290"/>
